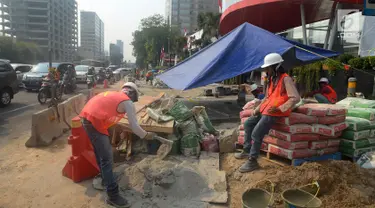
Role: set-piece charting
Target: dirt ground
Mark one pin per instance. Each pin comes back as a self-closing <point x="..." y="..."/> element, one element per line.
<point x="342" y="183"/>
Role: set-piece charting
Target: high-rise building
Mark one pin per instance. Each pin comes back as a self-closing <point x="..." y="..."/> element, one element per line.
<point x="184" y="14"/>
<point x="120" y="44"/>
<point x="51" y="24"/>
<point x="92" y="36"/>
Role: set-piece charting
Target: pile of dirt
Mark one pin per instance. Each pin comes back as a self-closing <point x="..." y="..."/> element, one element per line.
<point x="342" y="183"/>
<point x="155" y="178"/>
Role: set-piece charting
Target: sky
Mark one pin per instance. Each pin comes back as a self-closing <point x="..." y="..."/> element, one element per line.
<point x="121" y="18"/>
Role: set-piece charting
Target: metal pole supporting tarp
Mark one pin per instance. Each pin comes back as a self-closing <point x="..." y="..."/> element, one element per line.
<point x="303" y="21"/>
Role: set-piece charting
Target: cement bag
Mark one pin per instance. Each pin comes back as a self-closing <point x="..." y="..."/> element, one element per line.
<point x="354" y="152"/>
<point x="355" y="135"/>
<point x="355" y="144"/>
<point x="357" y="124"/>
<point x="293" y="137"/>
<point x="243" y="120"/>
<point x="190" y="145"/>
<point x="188" y="127"/>
<point x="246" y="113"/>
<point x="241" y="140"/>
<point x="180" y="112"/>
<point x="291" y="154"/>
<point x="210" y="143"/>
<point x="328" y="150"/>
<point x="312" y="110"/>
<point x="202" y="119"/>
<point x="317" y="145"/>
<point x="297" y="118"/>
<point x="285" y="144"/>
<point x="366" y="113"/>
<point x="329" y="130"/>
<point x="333" y="142"/>
<point x="357" y="102"/>
<point x="252" y="104"/>
<point x="324" y="137"/>
<point x="241" y="127"/>
<point x="326" y="120"/>
<point x="294" y="129"/>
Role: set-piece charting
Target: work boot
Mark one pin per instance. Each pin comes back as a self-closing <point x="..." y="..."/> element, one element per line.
<point x="118" y="201"/>
<point x="250" y="165"/>
<point x="242" y="155"/>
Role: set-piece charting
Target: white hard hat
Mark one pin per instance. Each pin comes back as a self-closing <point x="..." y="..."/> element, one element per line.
<point x="131" y="85"/>
<point x="323" y="79"/>
<point x="253" y="87"/>
<point x="272" y="59"/>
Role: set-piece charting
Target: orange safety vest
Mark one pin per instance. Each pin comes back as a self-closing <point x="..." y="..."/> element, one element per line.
<point x="101" y="110"/>
<point x="332" y="96"/>
<point x="276" y="96"/>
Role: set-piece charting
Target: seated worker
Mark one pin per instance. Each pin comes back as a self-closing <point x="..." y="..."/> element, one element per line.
<point x="256" y="92"/>
<point x="281" y="96"/>
<point x="101" y="112"/>
<point x="325" y="94"/>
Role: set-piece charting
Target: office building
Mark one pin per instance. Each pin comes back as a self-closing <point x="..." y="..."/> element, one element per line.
<point x="120" y="44"/>
<point x="92" y="36"/>
<point x="51" y="24"/>
<point x="184" y="13"/>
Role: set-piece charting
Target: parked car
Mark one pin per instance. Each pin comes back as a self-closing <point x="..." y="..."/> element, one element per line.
<point x="33" y="80"/>
<point x="8" y="83"/>
<point x="81" y="71"/>
<point x="21" y="69"/>
<point x="121" y="72"/>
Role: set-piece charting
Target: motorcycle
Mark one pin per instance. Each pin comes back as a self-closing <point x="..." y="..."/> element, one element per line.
<point x="109" y="76"/>
<point x="69" y="85"/>
<point x="90" y="80"/>
<point x="45" y="91"/>
<point x="100" y="77"/>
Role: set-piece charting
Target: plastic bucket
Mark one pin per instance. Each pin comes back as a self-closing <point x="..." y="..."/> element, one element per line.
<point x="298" y="198"/>
<point x="257" y="197"/>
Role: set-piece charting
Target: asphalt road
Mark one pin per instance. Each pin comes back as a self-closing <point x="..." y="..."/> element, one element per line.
<point x="15" y="119"/>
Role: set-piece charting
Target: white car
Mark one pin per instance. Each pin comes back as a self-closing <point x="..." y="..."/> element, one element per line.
<point x="81" y="72"/>
<point x="121" y="72"/>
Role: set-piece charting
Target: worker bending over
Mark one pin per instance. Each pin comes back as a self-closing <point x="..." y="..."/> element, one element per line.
<point x="101" y="112"/>
<point x="325" y="94"/>
<point x="281" y="96"/>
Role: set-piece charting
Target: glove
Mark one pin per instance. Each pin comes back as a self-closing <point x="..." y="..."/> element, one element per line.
<point x="150" y="136"/>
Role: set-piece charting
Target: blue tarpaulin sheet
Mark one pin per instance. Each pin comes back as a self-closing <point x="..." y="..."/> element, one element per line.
<point x="239" y="52"/>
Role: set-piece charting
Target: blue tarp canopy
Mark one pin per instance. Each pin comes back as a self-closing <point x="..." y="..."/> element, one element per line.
<point x="239" y="52"/>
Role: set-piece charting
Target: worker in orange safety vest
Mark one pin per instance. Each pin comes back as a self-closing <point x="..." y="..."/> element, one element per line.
<point x="325" y="94"/>
<point x="101" y="112"/>
<point x="281" y="95"/>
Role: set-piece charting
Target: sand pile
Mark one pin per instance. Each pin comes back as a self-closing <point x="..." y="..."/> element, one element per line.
<point x="155" y="178"/>
<point x="342" y="183"/>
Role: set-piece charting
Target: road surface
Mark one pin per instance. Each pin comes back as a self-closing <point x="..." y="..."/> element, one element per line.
<point x="15" y="119"/>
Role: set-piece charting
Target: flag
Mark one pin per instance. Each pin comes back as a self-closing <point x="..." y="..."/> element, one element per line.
<point x="185" y="32"/>
<point x="220" y="5"/>
<point x="162" y="53"/>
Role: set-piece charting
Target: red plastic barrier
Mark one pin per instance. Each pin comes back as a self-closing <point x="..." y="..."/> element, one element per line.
<point x="82" y="164"/>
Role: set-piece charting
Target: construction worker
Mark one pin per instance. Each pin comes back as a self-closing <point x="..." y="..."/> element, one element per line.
<point x="101" y="112"/>
<point x="281" y="96"/>
<point x="325" y="94"/>
<point x="54" y="77"/>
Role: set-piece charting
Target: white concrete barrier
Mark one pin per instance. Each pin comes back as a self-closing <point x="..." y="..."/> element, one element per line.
<point x="69" y="111"/>
<point x="79" y="102"/>
<point x="46" y="125"/>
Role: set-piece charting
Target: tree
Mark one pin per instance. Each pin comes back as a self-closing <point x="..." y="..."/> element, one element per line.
<point x="19" y="51"/>
<point x="209" y="23"/>
<point x="153" y="34"/>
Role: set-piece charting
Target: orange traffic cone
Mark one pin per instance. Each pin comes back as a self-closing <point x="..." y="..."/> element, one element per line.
<point x="105" y="83"/>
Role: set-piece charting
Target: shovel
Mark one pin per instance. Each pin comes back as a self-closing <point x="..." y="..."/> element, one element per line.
<point x="165" y="147"/>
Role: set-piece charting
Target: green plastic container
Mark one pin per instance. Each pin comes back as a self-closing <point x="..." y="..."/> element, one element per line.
<point x="297" y="198"/>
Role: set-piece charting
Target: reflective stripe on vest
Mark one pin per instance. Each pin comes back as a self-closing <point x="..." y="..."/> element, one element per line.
<point x="101" y="110"/>
<point x="277" y="96"/>
<point x="332" y="96"/>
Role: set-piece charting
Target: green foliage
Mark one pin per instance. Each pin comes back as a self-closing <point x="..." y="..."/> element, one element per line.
<point x="372" y="61"/>
<point x="309" y="75"/>
<point x="357" y="63"/>
<point x="209" y="22"/>
<point x="154" y="34"/>
<point x="344" y="58"/>
<point x="19" y="52"/>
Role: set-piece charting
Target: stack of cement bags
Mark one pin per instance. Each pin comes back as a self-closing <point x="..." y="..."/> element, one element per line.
<point x="359" y="138"/>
